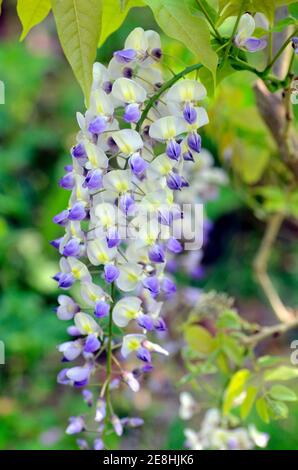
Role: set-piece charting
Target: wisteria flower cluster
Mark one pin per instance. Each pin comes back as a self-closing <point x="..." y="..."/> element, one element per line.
<point x="127" y="167"/>
<point x="215" y="433"/>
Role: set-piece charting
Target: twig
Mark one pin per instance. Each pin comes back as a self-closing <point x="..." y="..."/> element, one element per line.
<point x="261" y="267"/>
<point x="268" y="331"/>
<point x="209" y="19"/>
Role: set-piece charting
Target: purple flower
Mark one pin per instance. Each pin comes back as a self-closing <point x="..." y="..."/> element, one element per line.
<point x="146" y="322"/>
<point x="255" y="44"/>
<point x="61" y="218"/>
<point x="82" y="444"/>
<point x="92" y="344"/>
<point x="78" y="151"/>
<point x="77" y="212"/>
<point x="67" y="181"/>
<point x="101" y="309"/>
<point x="137" y="164"/>
<point x="116" y="423"/>
<point x="168" y="287"/>
<point x="127" y="72"/>
<point x="62" y="378"/>
<point x="113" y="238"/>
<point x="160" y="325"/>
<point x="132" y="113"/>
<point x="156" y="53"/>
<point x="174" y="181"/>
<point x="79" y="375"/>
<point x="174" y="245"/>
<point x="71" y="350"/>
<point x="173" y="150"/>
<point x="65" y="280"/>
<point x="295" y="44"/>
<point x="152" y="284"/>
<point x="88" y="397"/>
<point x="97" y="125"/>
<point x="112" y="144"/>
<point x="111" y="273"/>
<point x="98" y="444"/>
<point x="157" y="254"/>
<point x="147" y="368"/>
<point x="72" y="247"/>
<point x="93" y="179"/>
<point x="188" y="156"/>
<point x="144" y="355"/>
<point x="127" y="204"/>
<point x="194" y="141"/>
<point x="56" y="243"/>
<point x="76" y="425"/>
<point x="189" y="114"/>
<point x="125" y="55"/>
<point x="107" y="87"/>
<point x="73" y="331"/>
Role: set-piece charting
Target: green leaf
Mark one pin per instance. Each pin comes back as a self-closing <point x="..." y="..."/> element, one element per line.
<point x="113" y="15"/>
<point x="250" y="161"/>
<point x="282" y="24"/>
<point x="0" y="6"/>
<point x="251" y="393"/>
<point x="200" y="6"/>
<point x="229" y="319"/>
<point x="293" y="10"/>
<point x="283" y="393"/>
<point x="267" y="361"/>
<point x="277" y="409"/>
<point x="78" y="25"/>
<point x="231" y="7"/>
<point x="281" y="373"/>
<point x="31" y="12"/>
<point x="177" y="22"/>
<point x="263" y="410"/>
<point x="199" y="339"/>
<point x="235" y="388"/>
<point x="232" y="348"/>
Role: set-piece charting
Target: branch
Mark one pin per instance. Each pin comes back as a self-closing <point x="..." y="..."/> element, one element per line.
<point x="268" y="331"/>
<point x="164" y="88"/>
<point x="261" y="266"/>
<point x="277" y="115"/>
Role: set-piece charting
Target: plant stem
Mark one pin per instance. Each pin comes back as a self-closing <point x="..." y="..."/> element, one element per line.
<point x="227" y="51"/>
<point x="268" y="331"/>
<point x="209" y="19"/>
<point x="279" y="53"/>
<point x="109" y="363"/>
<point x="261" y="268"/>
<point x="162" y="89"/>
<point x="270" y="44"/>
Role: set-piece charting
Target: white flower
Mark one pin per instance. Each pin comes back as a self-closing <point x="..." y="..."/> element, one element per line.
<point x="86" y="324"/>
<point x="129" y="277"/>
<point x="99" y="253"/>
<point x="128" y="141"/>
<point x="187" y="406"/>
<point x="125" y="310"/>
<point x="187" y="91"/>
<point x="167" y="128"/>
<point x="128" y="91"/>
<point x="131" y="343"/>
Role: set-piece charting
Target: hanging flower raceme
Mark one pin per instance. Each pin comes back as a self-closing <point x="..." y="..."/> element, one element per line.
<point x="123" y="183"/>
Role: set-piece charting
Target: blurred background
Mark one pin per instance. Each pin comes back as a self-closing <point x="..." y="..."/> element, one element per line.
<point x="37" y="128"/>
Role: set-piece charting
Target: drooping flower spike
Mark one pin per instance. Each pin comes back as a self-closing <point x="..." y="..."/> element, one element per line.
<point x="118" y="225"/>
